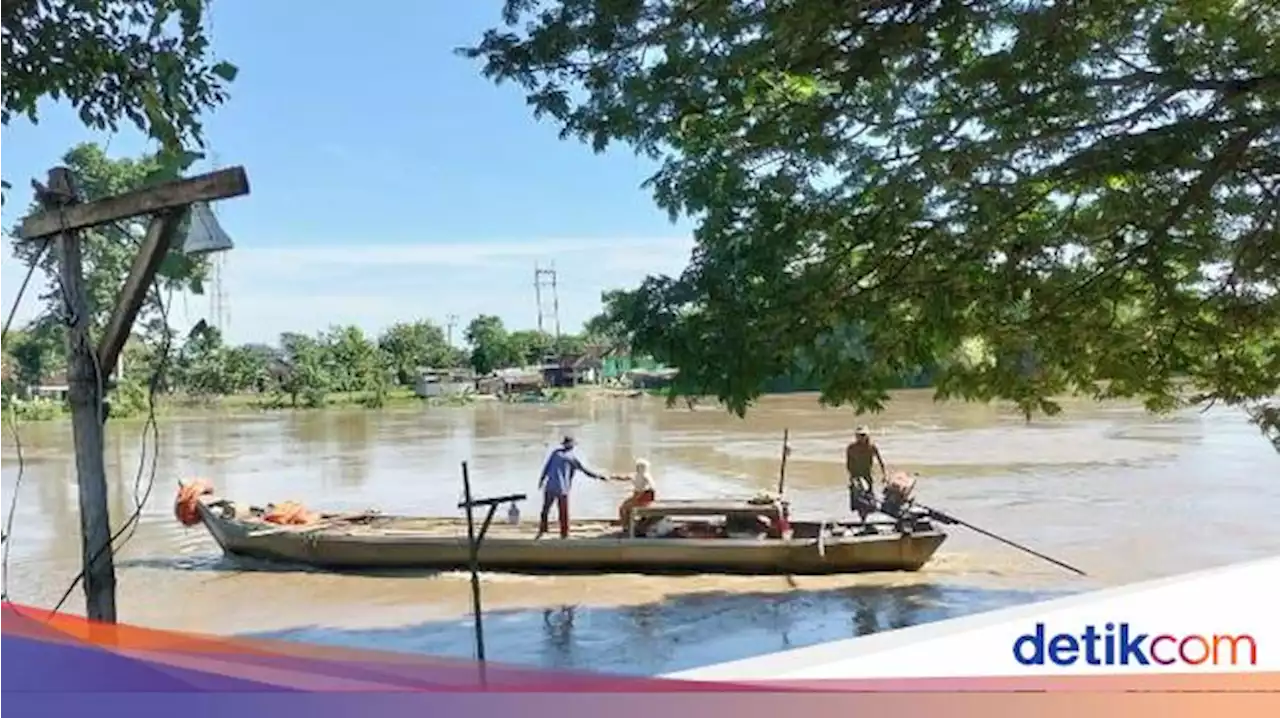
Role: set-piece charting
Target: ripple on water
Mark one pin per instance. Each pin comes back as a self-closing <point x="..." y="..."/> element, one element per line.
<point x="1054" y="445"/>
<point x="1121" y="495"/>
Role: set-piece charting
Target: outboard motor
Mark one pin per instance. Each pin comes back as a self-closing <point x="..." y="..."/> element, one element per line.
<point x="899" y="495"/>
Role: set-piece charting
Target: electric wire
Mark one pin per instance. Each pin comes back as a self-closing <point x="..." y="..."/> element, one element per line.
<point x="12" y="421"/>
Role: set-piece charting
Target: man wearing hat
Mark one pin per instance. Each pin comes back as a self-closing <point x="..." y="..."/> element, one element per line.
<point x="555" y="482"/>
<point x="859" y="456"/>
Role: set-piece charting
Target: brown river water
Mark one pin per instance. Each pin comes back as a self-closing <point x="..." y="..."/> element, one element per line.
<point x="1124" y="495"/>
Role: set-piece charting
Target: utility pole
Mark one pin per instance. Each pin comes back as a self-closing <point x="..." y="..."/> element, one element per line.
<point x="88" y="367"/>
<point x="545" y="280"/>
<point x="450" y="322"/>
<point x="84" y="394"/>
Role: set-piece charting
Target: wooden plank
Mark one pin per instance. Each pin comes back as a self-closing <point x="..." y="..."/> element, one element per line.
<point x="155" y="246"/>
<point x="493" y="501"/>
<point x="232" y="182"/>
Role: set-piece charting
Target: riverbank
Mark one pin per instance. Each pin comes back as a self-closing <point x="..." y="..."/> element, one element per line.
<point x="182" y="405"/>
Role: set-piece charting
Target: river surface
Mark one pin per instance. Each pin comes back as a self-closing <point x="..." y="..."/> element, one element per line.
<point x="1124" y="495"/>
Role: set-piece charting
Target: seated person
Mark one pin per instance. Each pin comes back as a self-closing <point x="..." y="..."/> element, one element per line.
<point x="643" y="492"/>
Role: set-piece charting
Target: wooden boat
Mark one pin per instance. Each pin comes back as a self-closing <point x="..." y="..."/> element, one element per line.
<point x="718" y="537"/>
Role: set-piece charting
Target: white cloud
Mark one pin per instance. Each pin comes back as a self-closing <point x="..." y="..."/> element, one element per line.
<point x="268" y="290"/>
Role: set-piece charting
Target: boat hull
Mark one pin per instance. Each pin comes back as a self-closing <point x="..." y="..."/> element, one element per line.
<point x="386" y="550"/>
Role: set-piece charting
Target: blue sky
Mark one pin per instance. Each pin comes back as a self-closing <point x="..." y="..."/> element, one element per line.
<point x="390" y="181"/>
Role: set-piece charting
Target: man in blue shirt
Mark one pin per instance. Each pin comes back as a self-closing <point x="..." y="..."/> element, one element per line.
<point x="556" y="481"/>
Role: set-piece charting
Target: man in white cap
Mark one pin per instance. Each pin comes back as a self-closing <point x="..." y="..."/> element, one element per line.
<point x="859" y="456"/>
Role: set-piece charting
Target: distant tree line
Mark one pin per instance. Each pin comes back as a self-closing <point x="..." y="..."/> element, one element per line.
<point x="301" y="370"/>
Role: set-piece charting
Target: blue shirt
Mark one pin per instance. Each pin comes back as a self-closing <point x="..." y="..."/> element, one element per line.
<point x="559" y="470"/>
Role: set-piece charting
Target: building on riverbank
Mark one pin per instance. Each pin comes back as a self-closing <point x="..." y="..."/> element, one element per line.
<point x="517" y="380"/>
<point x="434" y="383"/>
<point x="569" y="370"/>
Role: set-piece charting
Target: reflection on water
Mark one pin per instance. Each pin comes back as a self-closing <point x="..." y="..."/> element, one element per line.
<point x="1108" y="488"/>
<point x="683" y="632"/>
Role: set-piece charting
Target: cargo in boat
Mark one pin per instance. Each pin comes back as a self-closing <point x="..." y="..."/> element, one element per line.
<point x="715" y="537"/>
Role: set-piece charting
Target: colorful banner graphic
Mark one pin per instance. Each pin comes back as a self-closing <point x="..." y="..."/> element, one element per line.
<point x="64" y="664"/>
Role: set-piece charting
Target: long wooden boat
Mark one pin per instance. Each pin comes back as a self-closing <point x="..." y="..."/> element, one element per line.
<point x="717" y="537"/>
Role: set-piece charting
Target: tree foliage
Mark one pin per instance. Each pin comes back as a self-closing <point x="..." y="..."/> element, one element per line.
<point x="107" y="254"/>
<point x="491" y="346"/>
<point x="304" y="370"/>
<point x="108" y="251"/>
<point x="416" y="345"/>
<point x="1033" y="197"/>
<point x="147" y="62"/>
<point x="207" y="367"/>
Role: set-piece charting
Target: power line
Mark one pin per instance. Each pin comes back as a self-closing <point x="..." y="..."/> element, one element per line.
<point x="7" y="535"/>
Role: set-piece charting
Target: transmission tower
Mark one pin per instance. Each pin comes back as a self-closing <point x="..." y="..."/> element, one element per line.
<point x="450" y="322"/>
<point x="544" y="289"/>
<point x="220" y="314"/>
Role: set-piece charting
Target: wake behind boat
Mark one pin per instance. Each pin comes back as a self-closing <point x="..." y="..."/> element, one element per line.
<point x="752" y="537"/>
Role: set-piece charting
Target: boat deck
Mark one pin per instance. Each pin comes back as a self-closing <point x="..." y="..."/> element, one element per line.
<point x="441" y="527"/>
<point x="697" y="545"/>
<point x="445" y="527"/>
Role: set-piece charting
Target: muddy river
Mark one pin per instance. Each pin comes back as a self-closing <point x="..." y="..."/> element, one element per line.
<point x="1124" y="495"/>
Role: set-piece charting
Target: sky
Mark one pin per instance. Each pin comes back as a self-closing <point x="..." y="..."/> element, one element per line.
<point x="389" y="180"/>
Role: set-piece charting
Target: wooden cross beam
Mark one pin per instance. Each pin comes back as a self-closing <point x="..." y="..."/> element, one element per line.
<point x="495" y="500"/>
<point x="167" y="202"/>
<point x="223" y="184"/>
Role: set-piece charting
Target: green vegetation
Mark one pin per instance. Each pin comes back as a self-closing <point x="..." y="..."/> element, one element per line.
<point x="142" y="61"/>
<point x="1026" y="199"/>
<point x="341" y="366"/>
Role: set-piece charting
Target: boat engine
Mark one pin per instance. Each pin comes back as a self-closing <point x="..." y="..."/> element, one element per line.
<point x="899" y="495"/>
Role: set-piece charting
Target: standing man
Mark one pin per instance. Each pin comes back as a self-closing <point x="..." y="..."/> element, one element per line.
<point x="859" y="456"/>
<point x="555" y="482"/>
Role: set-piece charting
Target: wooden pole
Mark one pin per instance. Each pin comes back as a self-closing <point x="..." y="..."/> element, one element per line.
<point x="85" y="386"/>
<point x="474" y="543"/>
<point x="782" y="468"/>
